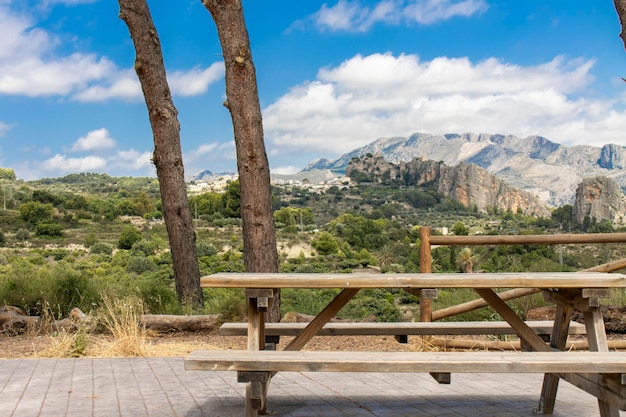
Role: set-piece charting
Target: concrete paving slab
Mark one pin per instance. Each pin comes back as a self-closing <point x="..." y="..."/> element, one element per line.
<point x="160" y="387"/>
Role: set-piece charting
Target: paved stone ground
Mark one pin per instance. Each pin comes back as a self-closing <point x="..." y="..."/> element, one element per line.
<point x="160" y="387"/>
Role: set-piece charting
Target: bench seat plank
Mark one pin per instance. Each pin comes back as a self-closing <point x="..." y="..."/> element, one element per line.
<point x="343" y="361"/>
<point x="543" y="327"/>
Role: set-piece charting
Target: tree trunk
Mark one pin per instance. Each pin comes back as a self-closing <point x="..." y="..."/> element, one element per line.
<point x="167" y="156"/>
<point x="242" y="100"/>
<point x="620" y="7"/>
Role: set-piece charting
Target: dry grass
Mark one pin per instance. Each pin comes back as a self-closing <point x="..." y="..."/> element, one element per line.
<point x="121" y="319"/>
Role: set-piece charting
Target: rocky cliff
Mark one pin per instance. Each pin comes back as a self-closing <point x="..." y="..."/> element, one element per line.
<point x="600" y="198"/>
<point x="465" y="183"/>
<point x="535" y="164"/>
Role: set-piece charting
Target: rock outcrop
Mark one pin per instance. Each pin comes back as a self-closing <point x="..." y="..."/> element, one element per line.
<point x="535" y="164"/>
<point x="466" y="183"/>
<point x="600" y="198"/>
<point x="612" y="157"/>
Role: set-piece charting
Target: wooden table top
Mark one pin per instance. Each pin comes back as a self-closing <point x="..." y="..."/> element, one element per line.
<point x="417" y="280"/>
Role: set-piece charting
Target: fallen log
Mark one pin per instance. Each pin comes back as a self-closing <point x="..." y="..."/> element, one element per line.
<point x="472" y="344"/>
<point x="173" y="323"/>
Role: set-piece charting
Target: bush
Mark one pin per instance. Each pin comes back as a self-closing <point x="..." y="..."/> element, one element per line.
<point x="49" y="229"/>
<point x="22" y="234"/>
<point x="205" y="249"/>
<point x="128" y="237"/>
<point x="377" y="303"/>
<point x="101" y="248"/>
<point x="229" y="303"/>
<point x="35" y="212"/>
<point x="144" y="248"/>
<point x="157" y="292"/>
<point x="140" y="264"/>
<point x="71" y="289"/>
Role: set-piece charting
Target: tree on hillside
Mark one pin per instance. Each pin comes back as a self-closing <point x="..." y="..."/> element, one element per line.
<point x="466" y="260"/>
<point x="167" y="156"/>
<point x="7" y="174"/>
<point x="242" y="100"/>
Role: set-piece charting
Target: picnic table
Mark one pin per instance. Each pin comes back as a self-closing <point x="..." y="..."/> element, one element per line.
<point x="599" y="372"/>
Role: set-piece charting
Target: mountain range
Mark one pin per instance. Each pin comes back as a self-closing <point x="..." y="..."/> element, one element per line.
<point x="546" y="169"/>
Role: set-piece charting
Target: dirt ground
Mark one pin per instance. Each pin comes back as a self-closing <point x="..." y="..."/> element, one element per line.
<point x="181" y="344"/>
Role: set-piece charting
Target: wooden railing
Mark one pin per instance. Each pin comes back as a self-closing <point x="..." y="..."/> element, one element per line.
<point x="427" y="240"/>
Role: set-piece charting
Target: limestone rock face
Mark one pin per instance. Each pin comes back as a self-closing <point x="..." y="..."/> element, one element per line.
<point x="599" y="198"/>
<point x="613" y="156"/>
<point x="466" y="183"/>
<point x="535" y="164"/>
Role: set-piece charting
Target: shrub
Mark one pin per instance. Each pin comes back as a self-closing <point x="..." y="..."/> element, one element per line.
<point x="140" y="264"/>
<point x="128" y="237"/>
<point x="229" y="303"/>
<point x="22" y="234"/>
<point x="71" y="289"/>
<point x="101" y="248"/>
<point x="49" y="229"/>
<point x="157" y="292"/>
<point x="205" y="249"/>
<point x="144" y="248"/>
<point x="35" y="212"/>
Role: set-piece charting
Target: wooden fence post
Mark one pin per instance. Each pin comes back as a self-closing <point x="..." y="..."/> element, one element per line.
<point x="426" y="304"/>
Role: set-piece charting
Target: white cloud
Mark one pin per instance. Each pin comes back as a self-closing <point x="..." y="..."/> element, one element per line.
<point x="95" y="140"/>
<point x="431" y="11"/>
<point x="30" y="66"/>
<point x="132" y="160"/>
<point x="208" y="155"/>
<point x="26" y="67"/>
<point x="195" y="81"/>
<point x="379" y="95"/>
<point x="285" y="170"/>
<point x="205" y="149"/>
<point x="125" y="85"/>
<point x="60" y="164"/>
<point x="351" y="16"/>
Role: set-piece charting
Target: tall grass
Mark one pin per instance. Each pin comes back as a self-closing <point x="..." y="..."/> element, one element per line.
<point x="122" y="320"/>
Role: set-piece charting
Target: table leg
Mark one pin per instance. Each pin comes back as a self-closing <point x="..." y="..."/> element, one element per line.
<point x="596" y="335"/>
<point x="521" y="328"/>
<point x="322" y="318"/>
<point x="558" y="341"/>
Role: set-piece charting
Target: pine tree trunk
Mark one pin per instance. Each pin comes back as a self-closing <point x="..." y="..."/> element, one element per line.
<point x="167" y="156"/>
<point x="242" y="100"/>
<point x="620" y="7"/>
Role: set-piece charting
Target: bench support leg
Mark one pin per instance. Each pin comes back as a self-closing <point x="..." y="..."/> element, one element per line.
<point x="256" y="383"/>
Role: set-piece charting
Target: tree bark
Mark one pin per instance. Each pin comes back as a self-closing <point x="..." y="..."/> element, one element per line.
<point x="620" y="7"/>
<point x="167" y="156"/>
<point x="242" y="100"/>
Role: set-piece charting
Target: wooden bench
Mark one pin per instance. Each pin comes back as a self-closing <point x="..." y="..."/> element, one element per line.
<point x="347" y="361"/>
<point x="256" y="367"/>
<point x="400" y="330"/>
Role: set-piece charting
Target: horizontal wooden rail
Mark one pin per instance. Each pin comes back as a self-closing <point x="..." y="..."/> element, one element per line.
<point x="563" y="239"/>
<point x="416" y="280"/>
<point x="542" y="327"/>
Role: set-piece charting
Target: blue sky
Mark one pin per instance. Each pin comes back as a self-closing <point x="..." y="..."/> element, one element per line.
<point x="333" y="76"/>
